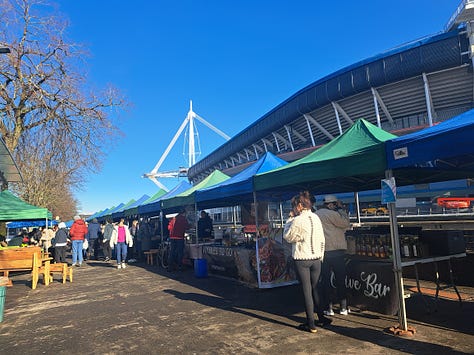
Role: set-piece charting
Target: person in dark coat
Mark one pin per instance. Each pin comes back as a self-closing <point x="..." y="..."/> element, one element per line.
<point x="16" y="241"/>
<point x="205" y="226"/>
<point x="93" y="239"/>
<point x="60" y="243"/>
<point x="106" y="236"/>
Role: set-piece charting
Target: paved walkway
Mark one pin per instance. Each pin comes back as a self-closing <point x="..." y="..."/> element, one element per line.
<point x="146" y="310"/>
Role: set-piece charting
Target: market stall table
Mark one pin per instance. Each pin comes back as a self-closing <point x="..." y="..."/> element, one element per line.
<point x="435" y="259"/>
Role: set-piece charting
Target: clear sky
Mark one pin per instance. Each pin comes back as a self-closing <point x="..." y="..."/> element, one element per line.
<point x="235" y="59"/>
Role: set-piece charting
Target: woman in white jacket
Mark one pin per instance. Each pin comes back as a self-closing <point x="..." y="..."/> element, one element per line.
<point x="121" y="238"/>
<point x="305" y="232"/>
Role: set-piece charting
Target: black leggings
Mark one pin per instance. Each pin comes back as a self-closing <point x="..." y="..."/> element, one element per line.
<point x="308" y="274"/>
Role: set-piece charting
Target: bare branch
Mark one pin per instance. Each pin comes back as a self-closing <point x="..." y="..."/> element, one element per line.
<point x="49" y="113"/>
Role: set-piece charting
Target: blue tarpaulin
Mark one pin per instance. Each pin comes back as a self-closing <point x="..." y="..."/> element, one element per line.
<point x="118" y="213"/>
<point x="108" y="212"/>
<point x="32" y="223"/>
<point x="133" y="208"/>
<point x="155" y="207"/>
<point x="238" y="188"/>
<point x="445" y="145"/>
<point x="438" y="153"/>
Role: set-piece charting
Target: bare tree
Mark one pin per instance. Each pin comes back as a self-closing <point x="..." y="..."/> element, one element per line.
<point x="46" y="103"/>
<point x="48" y="173"/>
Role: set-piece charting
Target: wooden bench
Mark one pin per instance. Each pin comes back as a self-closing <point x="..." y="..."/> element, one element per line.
<point x="63" y="269"/>
<point x="25" y="259"/>
<point x="151" y="255"/>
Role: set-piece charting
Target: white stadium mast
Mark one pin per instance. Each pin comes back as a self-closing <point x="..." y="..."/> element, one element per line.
<point x="191" y="133"/>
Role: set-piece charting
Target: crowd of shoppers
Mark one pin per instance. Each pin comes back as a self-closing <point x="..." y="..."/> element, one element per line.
<point x="317" y="238"/>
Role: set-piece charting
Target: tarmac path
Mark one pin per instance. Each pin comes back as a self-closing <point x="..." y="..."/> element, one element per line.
<point x="146" y="310"/>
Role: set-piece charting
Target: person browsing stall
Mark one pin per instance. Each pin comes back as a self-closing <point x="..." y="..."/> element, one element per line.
<point x="304" y="232"/>
<point x="205" y="226"/>
<point x="177" y="228"/>
<point x="335" y="223"/>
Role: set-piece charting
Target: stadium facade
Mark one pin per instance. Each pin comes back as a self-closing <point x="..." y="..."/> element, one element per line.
<point x="401" y="90"/>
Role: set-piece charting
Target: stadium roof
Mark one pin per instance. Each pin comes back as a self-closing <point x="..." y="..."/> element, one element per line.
<point x="401" y="90"/>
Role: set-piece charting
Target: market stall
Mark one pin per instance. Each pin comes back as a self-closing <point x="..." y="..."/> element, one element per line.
<point x="265" y="263"/>
<point x="428" y="155"/>
<point x="371" y="252"/>
<point x="352" y="162"/>
<point x="12" y="208"/>
<point x="357" y="161"/>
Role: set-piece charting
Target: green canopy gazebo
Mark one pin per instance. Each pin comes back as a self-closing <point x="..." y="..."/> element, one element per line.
<point x="13" y="208"/>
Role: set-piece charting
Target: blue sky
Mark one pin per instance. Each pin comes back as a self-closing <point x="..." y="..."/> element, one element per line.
<point x="235" y="59"/>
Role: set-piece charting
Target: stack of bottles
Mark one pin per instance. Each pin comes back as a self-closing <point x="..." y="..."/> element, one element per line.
<point x="380" y="246"/>
<point x="374" y="245"/>
<point x="410" y="246"/>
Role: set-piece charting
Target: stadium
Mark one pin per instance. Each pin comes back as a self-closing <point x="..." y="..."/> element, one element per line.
<point x="402" y="90"/>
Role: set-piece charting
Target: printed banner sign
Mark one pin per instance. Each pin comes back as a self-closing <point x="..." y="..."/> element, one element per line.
<point x="389" y="190"/>
<point x="371" y="286"/>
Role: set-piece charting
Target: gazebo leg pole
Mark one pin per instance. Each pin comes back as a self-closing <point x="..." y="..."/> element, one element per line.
<point x="402" y="328"/>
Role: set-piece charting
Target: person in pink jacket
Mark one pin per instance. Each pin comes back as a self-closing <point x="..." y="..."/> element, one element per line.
<point x="121" y="238"/>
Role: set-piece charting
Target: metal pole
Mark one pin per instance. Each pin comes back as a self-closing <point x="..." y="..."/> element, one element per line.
<point x="196" y="222"/>
<point x="357" y="203"/>
<point x="282" y="222"/>
<point x="397" y="260"/>
<point x="428" y="100"/>
<point x="376" y="105"/>
<point x="234" y="216"/>
<point x="161" y="225"/>
<point x="256" y="239"/>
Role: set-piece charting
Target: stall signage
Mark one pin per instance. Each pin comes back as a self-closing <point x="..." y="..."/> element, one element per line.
<point x="371" y="286"/>
<point x="221" y="260"/>
<point x="221" y="251"/>
<point x="367" y="283"/>
<point x="389" y="190"/>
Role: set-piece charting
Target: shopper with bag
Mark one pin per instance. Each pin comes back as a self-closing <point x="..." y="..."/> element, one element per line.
<point x="85" y="245"/>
